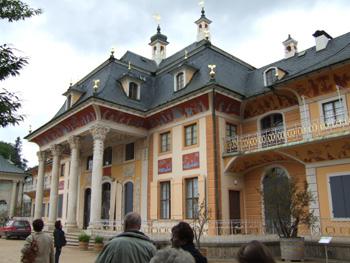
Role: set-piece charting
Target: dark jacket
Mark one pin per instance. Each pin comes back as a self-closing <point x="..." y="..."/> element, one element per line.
<point x="128" y="247"/>
<point x="199" y="258"/>
<point x="59" y="238"/>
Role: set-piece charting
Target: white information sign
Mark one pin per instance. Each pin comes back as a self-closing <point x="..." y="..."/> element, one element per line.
<point x="325" y="240"/>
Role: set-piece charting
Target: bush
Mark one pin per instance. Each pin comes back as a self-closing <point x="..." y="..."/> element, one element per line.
<point x="83" y="237"/>
<point x="98" y="240"/>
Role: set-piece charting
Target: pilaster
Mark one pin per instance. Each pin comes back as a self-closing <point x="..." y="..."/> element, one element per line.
<point x="40" y="185"/>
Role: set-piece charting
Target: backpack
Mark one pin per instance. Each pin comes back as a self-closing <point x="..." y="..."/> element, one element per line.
<point x="31" y="252"/>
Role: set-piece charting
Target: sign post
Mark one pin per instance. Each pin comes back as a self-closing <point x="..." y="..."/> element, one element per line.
<point x="325" y="241"/>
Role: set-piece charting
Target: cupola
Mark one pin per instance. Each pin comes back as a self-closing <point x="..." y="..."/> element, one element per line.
<point x="203" y="31"/>
<point x="290" y="47"/>
<point x="158" y="44"/>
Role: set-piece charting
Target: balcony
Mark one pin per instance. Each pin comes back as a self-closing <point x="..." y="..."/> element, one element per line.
<point x="297" y="133"/>
<point x="32" y="187"/>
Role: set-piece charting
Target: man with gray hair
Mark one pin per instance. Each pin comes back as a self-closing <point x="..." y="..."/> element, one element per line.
<point x="130" y="246"/>
<point x="172" y="255"/>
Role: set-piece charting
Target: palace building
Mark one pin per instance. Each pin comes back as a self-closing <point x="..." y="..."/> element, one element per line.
<point x="162" y="136"/>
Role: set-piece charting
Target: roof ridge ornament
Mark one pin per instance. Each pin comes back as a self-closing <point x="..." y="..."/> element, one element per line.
<point x="96" y="85"/>
<point x="212" y="72"/>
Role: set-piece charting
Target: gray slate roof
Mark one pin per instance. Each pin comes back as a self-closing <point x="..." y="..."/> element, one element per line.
<point x="157" y="86"/>
<point x="7" y="167"/>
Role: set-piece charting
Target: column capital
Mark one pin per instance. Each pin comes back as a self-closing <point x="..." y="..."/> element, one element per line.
<point x="56" y="150"/>
<point x="41" y="155"/>
<point x="99" y="132"/>
<point x="74" y="142"/>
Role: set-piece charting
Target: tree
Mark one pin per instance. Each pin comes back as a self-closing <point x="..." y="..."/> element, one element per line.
<point x="10" y="64"/>
<point x="13" y="152"/>
<point x="17" y="158"/>
<point x="200" y="221"/>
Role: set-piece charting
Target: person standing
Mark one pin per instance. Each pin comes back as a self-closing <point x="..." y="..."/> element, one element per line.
<point x="131" y="246"/>
<point x="253" y="252"/>
<point x="182" y="237"/>
<point x="59" y="239"/>
<point x="39" y="245"/>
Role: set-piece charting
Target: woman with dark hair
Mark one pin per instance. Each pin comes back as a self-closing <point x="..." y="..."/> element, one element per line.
<point x="59" y="238"/>
<point x="254" y="252"/>
<point x="182" y="237"/>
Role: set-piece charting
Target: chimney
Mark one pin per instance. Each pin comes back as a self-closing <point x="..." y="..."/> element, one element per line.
<point x="290" y="47"/>
<point x="322" y="39"/>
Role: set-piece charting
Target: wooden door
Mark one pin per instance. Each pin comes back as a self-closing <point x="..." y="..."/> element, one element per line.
<point x="235" y="211"/>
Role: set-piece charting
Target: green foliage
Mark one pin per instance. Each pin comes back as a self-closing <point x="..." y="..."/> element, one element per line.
<point x="14" y="10"/>
<point x="98" y="240"/>
<point x="10" y="64"/>
<point x="83" y="237"/>
<point x="7" y="150"/>
<point x="288" y="205"/>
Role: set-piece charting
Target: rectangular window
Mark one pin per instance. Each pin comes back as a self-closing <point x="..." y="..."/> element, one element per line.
<point x="43" y="210"/>
<point x="340" y="194"/>
<point x="107" y="156"/>
<point x="191" y="135"/>
<point x="165" y="200"/>
<point x="165" y="142"/>
<point x="333" y="112"/>
<point x="129" y="151"/>
<point x="231" y="130"/>
<point x="191" y="198"/>
<point x="89" y="163"/>
<point x="62" y="170"/>
<point x="60" y="206"/>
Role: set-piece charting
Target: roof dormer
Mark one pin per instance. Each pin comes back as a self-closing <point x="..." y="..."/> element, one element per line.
<point x="73" y="94"/>
<point x="272" y="75"/>
<point x="182" y="76"/>
<point x="131" y="86"/>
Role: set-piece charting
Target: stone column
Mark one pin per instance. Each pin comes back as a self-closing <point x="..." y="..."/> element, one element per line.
<point x="20" y="195"/>
<point x="315" y="205"/>
<point x="40" y="185"/>
<point x="13" y="199"/>
<point x="144" y="184"/>
<point x="56" y="151"/>
<point x="74" y="143"/>
<point x="99" y="134"/>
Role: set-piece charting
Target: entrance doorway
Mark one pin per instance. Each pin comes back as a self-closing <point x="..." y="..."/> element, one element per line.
<point x="235" y="211"/>
<point x="87" y="205"/>
<point x="106" y="200"/>
<point x="128" y="197"/>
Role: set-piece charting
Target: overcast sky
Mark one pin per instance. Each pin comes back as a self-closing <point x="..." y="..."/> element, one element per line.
<point x="72" y="37"/>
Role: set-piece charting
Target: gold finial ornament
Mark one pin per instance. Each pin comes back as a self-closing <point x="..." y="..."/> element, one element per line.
<point x="96" y="85"/>
<point x="112" y="51"/>
<point x="157" y="18"/>
<point x="129" y="66"/>
<point x="30" y="128"/>
<point x="212" y="72"/>
<point x="186" y="54"/>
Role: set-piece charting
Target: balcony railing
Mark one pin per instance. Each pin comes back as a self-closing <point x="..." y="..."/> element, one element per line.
<point x="227" y="229"/>
<point x="293" y="134"/>
<point x="32" y="187"/>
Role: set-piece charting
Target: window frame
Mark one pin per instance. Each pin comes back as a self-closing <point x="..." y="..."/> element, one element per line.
<point x="62" y="169"/>
<point x="131" y="86"/>
<point x="192" y="198"/>
<point x="335" y="118"/>
<point x="166" y="200"/>
<point x="274" y="76"/>
<point x="89" y="160"/>
<point x="125" y="152"/>
<point x="185" y="126"/>
<point x="230" y="124"/>
<point x="176" y="75"/>
<point x="108" y="162"/>
<point x="330" y="197"/>
<point x="168" y="140"/>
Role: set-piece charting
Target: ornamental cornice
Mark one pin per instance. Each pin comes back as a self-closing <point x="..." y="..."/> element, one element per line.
<point x="56" y="150"/>
<point x="74" y="142"/>
<point x="99" y="132"/>
<point x="41" y="156"/>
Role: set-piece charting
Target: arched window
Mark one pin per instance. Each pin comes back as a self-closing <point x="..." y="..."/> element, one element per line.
<point x="128" y="197"/>
<point x="106" y="200"/>
<point x="180" y="81"/>
<point x="133" y="91"/>
<point x="276" y="183"/>
<point x="270" y="76"/>
<point x="272" y="130"/>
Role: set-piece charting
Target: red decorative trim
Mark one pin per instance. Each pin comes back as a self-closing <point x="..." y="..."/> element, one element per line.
<point x="165" y="166"/>
<point x="190" y="161"/>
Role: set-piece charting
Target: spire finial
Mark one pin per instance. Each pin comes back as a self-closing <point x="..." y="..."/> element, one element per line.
<point x="158" y="29"/>
<point x="201" y="4"/>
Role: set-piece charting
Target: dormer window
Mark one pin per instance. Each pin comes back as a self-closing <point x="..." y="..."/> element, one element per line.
<point x="270" y="76"/>
<point x="69" y="102"/>
<point x="133" y="91"/>
<point x="179" y="81"/>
